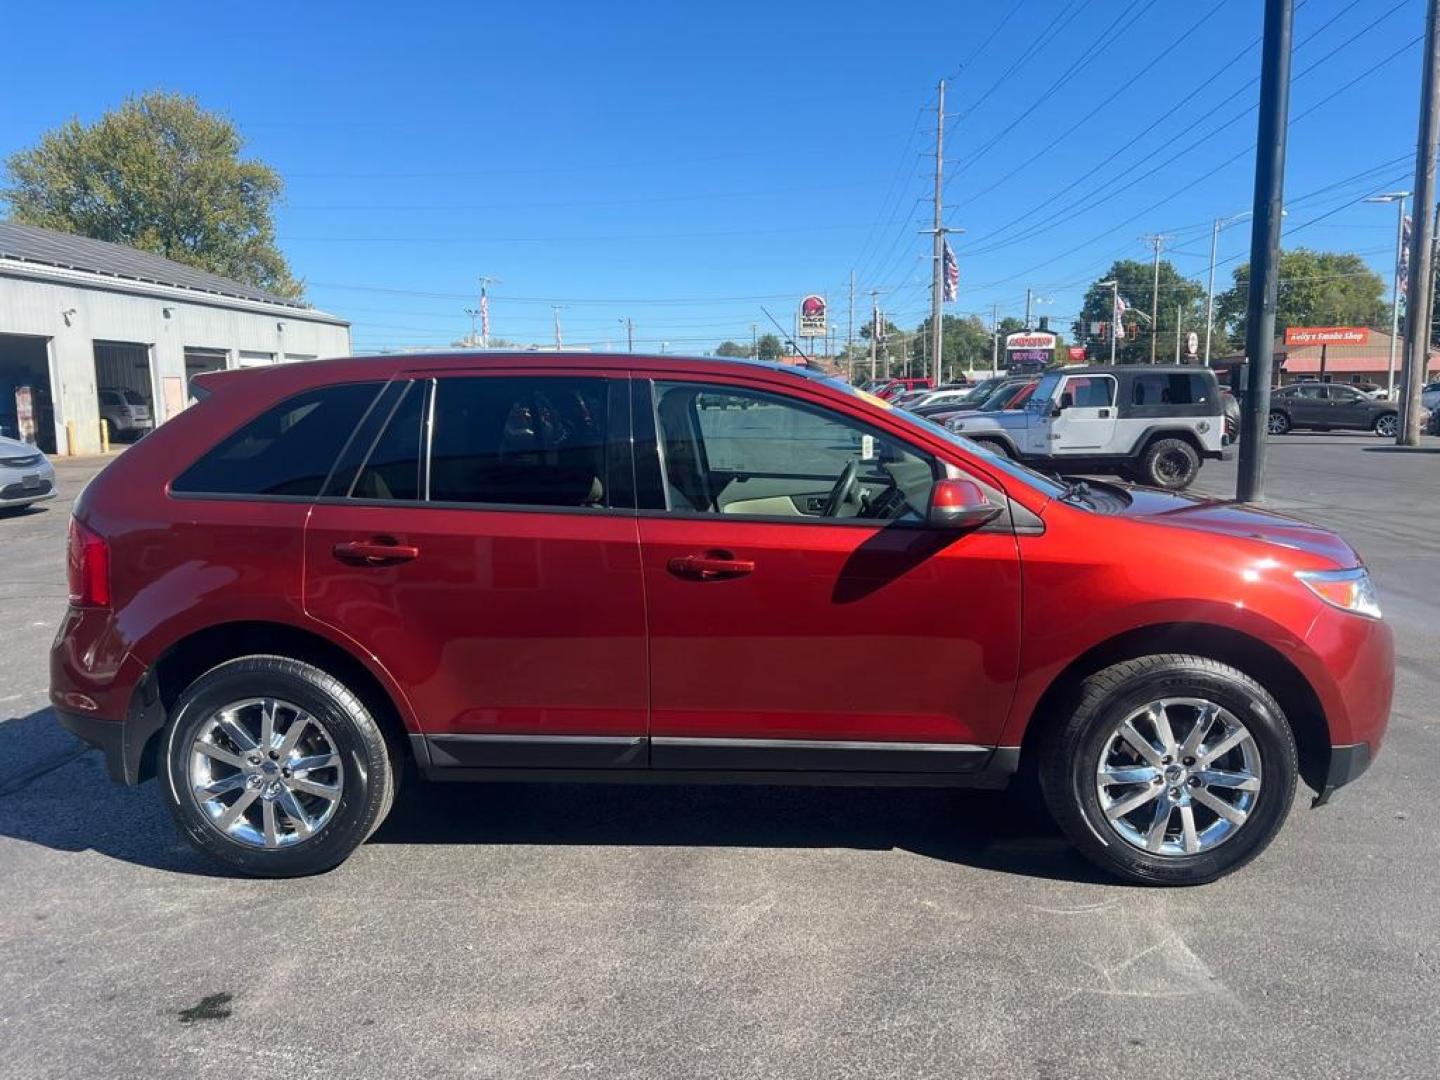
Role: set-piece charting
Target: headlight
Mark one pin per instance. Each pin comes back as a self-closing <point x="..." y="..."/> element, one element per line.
<point x="1349" y="590"/>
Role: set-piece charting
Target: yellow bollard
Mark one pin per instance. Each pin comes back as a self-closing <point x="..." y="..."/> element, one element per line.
<point x="70" y="438"/>
<point x="104" y="436"/>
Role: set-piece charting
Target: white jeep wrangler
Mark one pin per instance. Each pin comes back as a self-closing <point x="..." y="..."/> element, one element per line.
<point x="1150" y="424"/>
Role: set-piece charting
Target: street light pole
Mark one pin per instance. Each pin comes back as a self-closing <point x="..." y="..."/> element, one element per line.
<point x="1220" y="223"/>
<point x="1398" y="198"/>
<point x="1114" y="284"/>
<point x="1265" y="244"/>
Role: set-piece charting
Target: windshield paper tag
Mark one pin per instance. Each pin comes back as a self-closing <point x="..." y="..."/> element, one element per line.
<point x="867" y="447"/>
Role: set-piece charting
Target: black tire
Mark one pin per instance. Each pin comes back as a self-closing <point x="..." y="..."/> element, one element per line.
<point x="1070" y="756"/>
<point x="995" y="446"/>
<point x="1172" y="464"/>
<point x="1278" y="422"/>
<point x="1387" y="425"/>
<point x="369" y="775"/>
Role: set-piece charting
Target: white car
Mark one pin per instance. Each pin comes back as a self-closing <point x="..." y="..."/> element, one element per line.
<point x="1430" y="396"/>
<point x="26" y="475"/>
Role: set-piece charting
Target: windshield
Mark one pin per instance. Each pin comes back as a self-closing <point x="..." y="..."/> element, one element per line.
<point x="1040" y="482"/>
<point x="999" y="397"/>
<point x="1044" y="392"/>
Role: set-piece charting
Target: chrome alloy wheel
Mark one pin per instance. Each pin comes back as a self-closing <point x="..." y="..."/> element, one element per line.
<point x="265" y="772"/>
<point x="1178" y="776"/>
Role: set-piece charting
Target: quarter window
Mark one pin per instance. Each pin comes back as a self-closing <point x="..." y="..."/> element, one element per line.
<point x="520" y="441"/>
<point x="1180" y="388"/>
<point x="286" y="450"/>
<point x="393" y="469"/>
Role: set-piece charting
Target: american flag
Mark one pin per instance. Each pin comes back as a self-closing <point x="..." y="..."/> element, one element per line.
<point x="1403" y="270"/>
<point x="484" y="315"/>
<point x="952" y="273"/>
<point x="1121" y="306"/>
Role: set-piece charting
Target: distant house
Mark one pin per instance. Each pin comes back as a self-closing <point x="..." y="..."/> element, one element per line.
<point x="1360" y="363"/>
<point x="83" y="319"/>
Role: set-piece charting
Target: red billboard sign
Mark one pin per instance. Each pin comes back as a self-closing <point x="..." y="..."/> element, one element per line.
<point x="1327" y="335"/>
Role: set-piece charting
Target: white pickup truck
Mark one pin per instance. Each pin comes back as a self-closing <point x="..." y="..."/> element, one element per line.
<point x="1148" y="423"/>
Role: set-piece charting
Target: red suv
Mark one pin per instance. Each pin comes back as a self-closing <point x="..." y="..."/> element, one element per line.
<point x="617" y="567"/>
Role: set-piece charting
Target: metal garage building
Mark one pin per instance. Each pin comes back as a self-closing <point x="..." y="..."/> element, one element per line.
<point x="79" y="316"/>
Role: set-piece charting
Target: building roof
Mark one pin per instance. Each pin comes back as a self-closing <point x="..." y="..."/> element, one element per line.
<point x="29" y="243"/>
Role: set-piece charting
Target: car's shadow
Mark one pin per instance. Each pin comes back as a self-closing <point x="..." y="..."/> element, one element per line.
<point x="54" y="794"/>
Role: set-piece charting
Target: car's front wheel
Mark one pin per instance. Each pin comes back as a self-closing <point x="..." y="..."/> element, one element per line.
<point x="275" y="767"/>
<point x="1278" y="423"/>
<point x="1172" y="770"/>
<point x="1387" y="424"/>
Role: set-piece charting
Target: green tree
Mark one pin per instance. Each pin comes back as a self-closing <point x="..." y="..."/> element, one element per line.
<point x="1137" y="288"/>
<point x="1317" y="288"/>
<point x="965" y="343"/>
<point x="163" y="175"/>
<point x="770" y="347"/>
<point x="732" y="348"/>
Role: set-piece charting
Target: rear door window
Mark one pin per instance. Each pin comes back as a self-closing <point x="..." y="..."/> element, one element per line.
<point x="537" y="441"/>
<point x="286" y="450"/>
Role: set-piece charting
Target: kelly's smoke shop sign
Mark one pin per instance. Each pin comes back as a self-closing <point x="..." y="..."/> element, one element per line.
<point x="1326" y="335"/>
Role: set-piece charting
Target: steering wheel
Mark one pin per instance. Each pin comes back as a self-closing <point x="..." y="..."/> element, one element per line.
<point x="844" y="489"/>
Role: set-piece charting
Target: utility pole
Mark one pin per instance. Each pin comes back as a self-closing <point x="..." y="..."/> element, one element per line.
<point x="850" y="332"/>
<point x="629" y="333"/>
<point x="937" y="276"/>
<point x="995" y="337"/>
<point x="1265" y="244"/>
<point x="559" y="341"/>
<point x="1028" y="305"/>
<point x="1158" y="241"/>
<point x="484" y="309"/>
<point x="1114" y="284"/>
<point x="473" y="313"/>
<point x="874" y="328"/>
<point x="754" y="342"/>
<point x="1179" y="311"/>
<point x="1397" y="197"/>
<point x="1422" y="237"/>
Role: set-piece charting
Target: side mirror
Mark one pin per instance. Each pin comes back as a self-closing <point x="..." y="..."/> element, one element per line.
<point x="959" y="504"/>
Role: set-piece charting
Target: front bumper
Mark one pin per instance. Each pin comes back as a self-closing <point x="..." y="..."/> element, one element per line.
<point x="1347" y="763"/>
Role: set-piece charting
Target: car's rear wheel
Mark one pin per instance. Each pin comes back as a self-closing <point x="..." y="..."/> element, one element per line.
<point x="1170" y="463"/>
<point x="1172" y="770"/>
<point x="1387" y="424"/>
<point x="275" y="767"/>
<point x="1278" y="422"/>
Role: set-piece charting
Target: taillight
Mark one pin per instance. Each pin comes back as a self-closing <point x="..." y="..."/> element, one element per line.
<point x="88" y="563"/>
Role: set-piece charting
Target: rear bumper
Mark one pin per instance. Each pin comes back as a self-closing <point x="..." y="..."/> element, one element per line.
<point x="106" y="735"/>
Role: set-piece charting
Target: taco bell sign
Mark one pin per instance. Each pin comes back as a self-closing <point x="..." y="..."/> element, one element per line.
<point x="812" y="316"/>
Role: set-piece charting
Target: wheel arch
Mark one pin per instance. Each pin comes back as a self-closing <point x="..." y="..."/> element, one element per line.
<point x="1150" y="435"/>
<point x="191" y="656"/>
<point x="1261" y="661"/>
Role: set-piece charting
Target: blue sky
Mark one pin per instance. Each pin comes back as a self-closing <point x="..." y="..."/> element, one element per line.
<point x="683" y="164"/>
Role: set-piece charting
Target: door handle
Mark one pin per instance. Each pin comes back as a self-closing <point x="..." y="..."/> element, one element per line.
<point x="712" y="566"/>
<point x="1104" y="414"/>
<point x="376" y="552"/>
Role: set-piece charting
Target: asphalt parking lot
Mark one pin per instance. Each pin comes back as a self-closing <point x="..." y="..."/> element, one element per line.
<point x="542" y="931"/>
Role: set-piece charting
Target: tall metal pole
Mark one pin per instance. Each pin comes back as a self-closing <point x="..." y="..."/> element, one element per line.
<point x="754" y="342"/>
<point x="1210" y="292"/>
<point x="874" y="328"/>
<point x="1422" y="238"/>
<point x="1158" y="241"/>
<point x="1179" y="312"/>
<point x="995" y="338"/>
<point x="1114" y="318"/>
<point x="1265" y="244"/>
<point x="937" y="276"/>
<point x="559" y="341"/>
<point x="850" y="331"/>
<point x="1028" y="294"/>
<point x="1395" y="302"/>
